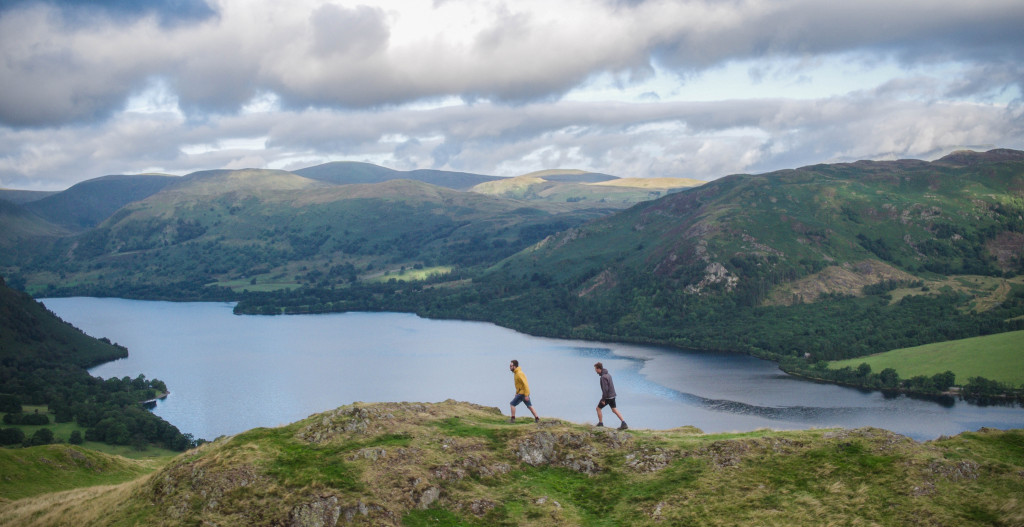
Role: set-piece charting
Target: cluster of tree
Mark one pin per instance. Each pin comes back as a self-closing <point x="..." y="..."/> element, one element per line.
<point x="987" y="391"/>
<point x="109" y="410"/>
<point x="862" y="376"/>
<point x="16" y="437"/>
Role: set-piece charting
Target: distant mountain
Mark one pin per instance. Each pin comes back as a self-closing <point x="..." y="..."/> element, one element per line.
<point x="908" y="217"/>
<point x="86" y="204"/>
<point x="351" y="172"/>
<point x="21" y="197"/>
<point x="20" y="224"/>
<point x="244" y="227"/>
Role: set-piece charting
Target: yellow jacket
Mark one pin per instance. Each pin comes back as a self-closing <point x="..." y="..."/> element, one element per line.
<point x="521" y="385"/>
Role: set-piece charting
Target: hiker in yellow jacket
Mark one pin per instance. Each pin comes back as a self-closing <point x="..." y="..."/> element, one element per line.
<point x="522" y="392"/>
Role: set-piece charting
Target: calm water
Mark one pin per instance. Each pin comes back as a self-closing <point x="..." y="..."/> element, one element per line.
<point x="230" y="373"/>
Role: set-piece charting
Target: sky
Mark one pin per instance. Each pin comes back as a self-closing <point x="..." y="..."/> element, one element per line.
<point x="633" y="88"/>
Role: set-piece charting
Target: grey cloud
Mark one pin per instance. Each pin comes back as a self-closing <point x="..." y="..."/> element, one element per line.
<point x="358" y="32"/>
<point x="945" y="30"/>
<point x="703" y="140"/>
<point x="53" y="71"/>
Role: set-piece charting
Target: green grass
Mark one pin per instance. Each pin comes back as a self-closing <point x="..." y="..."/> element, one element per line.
<point x="51" y="468"/>
<point x="296" y="463"/>
<point x="997" y="357"/>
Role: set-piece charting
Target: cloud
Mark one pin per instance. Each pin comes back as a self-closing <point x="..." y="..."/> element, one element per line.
<point x="397" y="52"/>
<point x="702" y="140"/>
<point x="89" y="87"/>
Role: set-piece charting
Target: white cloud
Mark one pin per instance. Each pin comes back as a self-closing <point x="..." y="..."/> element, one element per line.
<point x="658" y="87"/>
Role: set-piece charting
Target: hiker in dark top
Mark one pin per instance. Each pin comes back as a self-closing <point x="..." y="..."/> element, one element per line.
<point x="607" y="396"/>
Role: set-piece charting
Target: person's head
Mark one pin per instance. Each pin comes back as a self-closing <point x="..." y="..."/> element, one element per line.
<point x="513" y="365"/>
<point x="598" y="367"/>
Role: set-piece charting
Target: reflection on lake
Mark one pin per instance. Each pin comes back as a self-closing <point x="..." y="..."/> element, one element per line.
<point x="229" y="373"/>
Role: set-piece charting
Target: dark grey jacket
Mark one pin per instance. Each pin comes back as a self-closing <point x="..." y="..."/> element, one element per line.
<point x="607" y="388"/>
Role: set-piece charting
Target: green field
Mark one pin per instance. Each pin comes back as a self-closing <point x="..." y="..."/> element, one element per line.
<point x="411" y="275"/>
<point x="997" y="357"/>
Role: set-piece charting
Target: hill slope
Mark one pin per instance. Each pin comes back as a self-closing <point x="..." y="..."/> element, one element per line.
<point x="88" y="203"/>
<point x="21" y="224"/>
<point x="582" y="188"/>
<point x="351" y="172"/>
<point x="909" y="217"/>
<point x="456" y="463"/>
<point x="31" y="334"/>
<point x="234" y="227"/>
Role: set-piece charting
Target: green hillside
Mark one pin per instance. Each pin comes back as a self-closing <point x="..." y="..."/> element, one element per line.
<point x="455" y="463"/>
<point x="20" y="224"/>
<point x="997" y="357"/>
<point x="351" y="172"/>
<point x="248" y="228"/>
<point x="786" y="238"/>
<point x="584" y="189"/>
<point x="45" y="469"/>
<point x="88" y="203"/>
<point x="30" y="332"/>
<point x="21" y="197"/>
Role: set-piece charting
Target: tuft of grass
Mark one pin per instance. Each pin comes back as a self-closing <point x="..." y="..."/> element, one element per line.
<point x="295" y="463"/>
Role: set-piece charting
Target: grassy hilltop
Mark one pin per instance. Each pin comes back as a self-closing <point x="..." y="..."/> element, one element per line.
<point x="455" y="463"/>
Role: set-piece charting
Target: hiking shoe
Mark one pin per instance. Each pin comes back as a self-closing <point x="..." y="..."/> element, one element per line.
<point x="599" y="423"/>
<point x="512" y="420"/>
<point x="536" y="419"/>
<point x="623" y="426"/>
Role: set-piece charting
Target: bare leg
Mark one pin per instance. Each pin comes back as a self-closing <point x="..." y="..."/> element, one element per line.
<point x="512" y="411"/>
<point x="617" y="414"/>
<point x="534" y="412"/>
<point x="599" y="419"/>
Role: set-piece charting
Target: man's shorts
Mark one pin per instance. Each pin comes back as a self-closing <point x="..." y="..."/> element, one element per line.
<point x="520" y="398"/>
<point x="609" y="402"/>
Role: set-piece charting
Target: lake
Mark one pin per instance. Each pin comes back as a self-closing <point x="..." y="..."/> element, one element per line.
<point x="229" y="373"/>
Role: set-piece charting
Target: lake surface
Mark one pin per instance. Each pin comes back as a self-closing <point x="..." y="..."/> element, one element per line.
<point x="229" y="373"/>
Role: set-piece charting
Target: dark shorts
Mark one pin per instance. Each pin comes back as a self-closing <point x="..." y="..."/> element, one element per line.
<point x="608" y="402"/>
<point x="520" y="398"/>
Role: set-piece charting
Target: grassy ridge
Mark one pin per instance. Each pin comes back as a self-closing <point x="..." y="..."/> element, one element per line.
<point x="998" y="357"/>
<point x="455" y="463"/>
<point x="51" y="468"/>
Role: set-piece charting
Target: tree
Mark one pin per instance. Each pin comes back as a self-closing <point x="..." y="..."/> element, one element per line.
<point x="43" y="436"/>
<point x="10" y="404"/>
<point x="11" y="436"/>
<point x="889" y="378"/>
<point x="76" y="437"/>
<point x="944" y="380"/>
